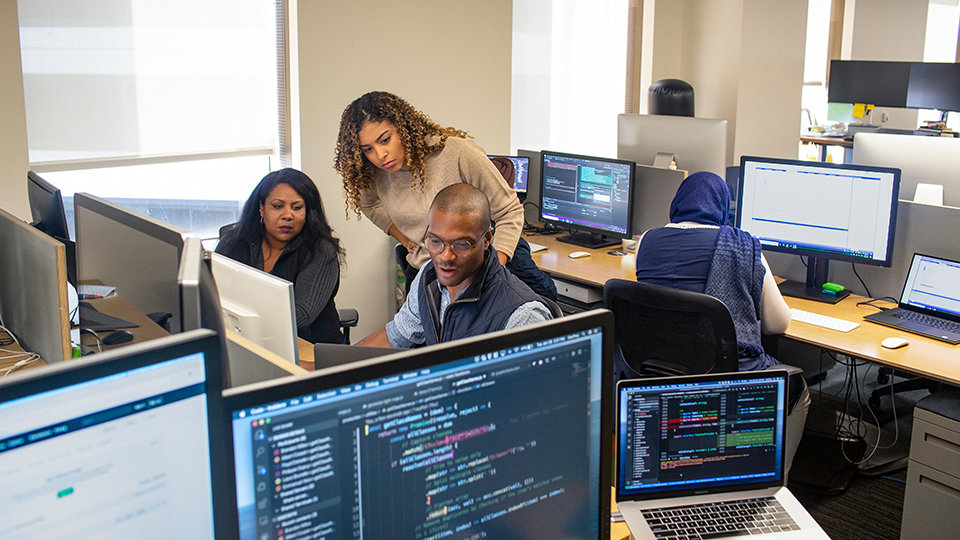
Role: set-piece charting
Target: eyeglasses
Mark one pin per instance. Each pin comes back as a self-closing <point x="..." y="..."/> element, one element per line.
<point x="460" y="247"/>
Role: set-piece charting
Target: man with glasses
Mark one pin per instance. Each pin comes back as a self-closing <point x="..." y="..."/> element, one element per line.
<point x="464" y="290"/>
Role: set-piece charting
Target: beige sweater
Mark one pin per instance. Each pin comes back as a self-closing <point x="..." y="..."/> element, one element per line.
<point x="461" y="160"/>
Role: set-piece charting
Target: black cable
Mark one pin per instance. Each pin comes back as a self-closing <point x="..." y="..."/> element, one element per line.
<point x="854" y="267"/>
<point x="872" y="300"/>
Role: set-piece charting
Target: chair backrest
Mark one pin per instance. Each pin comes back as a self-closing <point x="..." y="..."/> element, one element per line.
<point x="553" y="306"/>
<point x="660" y="331"/>
<point x="226" y="228"/>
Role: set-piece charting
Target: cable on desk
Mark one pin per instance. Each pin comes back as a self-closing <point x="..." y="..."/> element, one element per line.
<point x="28" y="357"/>
<point x="854" y="267"/>
<point x="96" y="336"/>
<point x="872" y="300"/>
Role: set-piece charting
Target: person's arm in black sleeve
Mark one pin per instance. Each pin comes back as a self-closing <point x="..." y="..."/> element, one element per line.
<point x="315" y="284"/>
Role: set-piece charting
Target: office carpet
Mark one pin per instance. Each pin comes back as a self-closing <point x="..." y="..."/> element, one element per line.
<point x="870" y="509"/>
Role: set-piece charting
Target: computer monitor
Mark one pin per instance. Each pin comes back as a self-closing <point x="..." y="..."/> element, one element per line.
<point x="118" y="445"/>
<point x="199" y="298"/>
<point x="258" y="306"/>
<point x="883" y="84"/>
<point x="505" y="435"/>
<point x="46" y="208"/>
<point x="136" y="254"/>
<point x="521" y="168"/>
<point x="531" y="212"/>
<point x="822" y="210"/>
<point x="695" y="144"/>
<point x="592" y="195"/>
<point x="929" y="160"/>
<point x="934" y="85"/>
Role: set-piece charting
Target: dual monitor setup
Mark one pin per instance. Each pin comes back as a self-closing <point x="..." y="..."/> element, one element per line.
<point x="442" y="441"/>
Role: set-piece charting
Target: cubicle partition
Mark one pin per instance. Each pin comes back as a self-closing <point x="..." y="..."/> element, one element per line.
<point x="33" y="289"/>
<point x="921" y="228"/>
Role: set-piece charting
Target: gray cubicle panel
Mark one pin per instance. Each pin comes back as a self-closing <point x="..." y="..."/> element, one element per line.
<point x="33" y="289"/>
<point x="930" y="160"/>
<point x="530" y="212"/>
<point x="137" y="254"/>
<point x="655" y="189"/>
<point x="921" y="228"/>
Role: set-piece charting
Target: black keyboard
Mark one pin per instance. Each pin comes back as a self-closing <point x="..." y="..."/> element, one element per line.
<point x="935" y="322"/>
<point x="719" y="520"/>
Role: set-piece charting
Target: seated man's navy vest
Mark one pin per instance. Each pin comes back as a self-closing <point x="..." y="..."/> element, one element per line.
<point x="484" y="306"/>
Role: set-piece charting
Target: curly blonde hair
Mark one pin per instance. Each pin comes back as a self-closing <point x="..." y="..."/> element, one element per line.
<point x="413" y="128"/>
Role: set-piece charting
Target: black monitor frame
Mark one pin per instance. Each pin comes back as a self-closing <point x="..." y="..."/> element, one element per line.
<point x="364" y="371"/>
<point x="934" y="85"/>
<point x="879" y="83"/>
<point x="818" y="259"/>
<point x="589" y="236"/>
<point x="49" y="217"/>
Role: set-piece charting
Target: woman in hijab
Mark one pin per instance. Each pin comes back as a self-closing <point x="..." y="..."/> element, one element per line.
<point x="698" y="252"/>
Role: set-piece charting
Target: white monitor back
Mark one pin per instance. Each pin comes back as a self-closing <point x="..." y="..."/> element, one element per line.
<point x="698" y="144"/>
<point x="921" y="159"/>
<point x="258" y="306"/>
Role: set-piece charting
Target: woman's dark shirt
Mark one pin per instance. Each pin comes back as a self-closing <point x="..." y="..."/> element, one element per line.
<point x="315" y="275"/>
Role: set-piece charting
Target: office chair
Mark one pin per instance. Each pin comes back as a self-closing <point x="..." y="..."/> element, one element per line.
<point x="553" y="306"/>
<point x="660" y="331"/>
<point x="348" y="316"/>
<point x="912" y="382"/>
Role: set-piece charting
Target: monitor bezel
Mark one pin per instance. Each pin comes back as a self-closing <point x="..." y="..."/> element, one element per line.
<point x="545" y="154"/>
<point x="829" y="255"/>
<point x="141" y="355"/>
<point x="240" y="398"/>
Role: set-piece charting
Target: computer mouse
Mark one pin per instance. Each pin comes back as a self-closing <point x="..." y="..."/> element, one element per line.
<point x="117" y="337"/>
<point x="894" y="342"/>
<point x="578" y="254"/>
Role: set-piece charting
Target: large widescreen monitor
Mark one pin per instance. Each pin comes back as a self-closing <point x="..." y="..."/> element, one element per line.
<point x="821" y="210"/>
<point x="505" y="435"/>
<point x="695" y="144"/>
<point x="591" y="195"/>
<point x="934" y="85"/>
<point x="124" y="444"/>
<point x="259" y="306"/>
<point x="928" y="160"/>
<point x="136" y="254"/>
<point x="883" y="84"/>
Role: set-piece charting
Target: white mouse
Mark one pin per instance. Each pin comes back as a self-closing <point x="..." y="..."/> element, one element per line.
<point x="894" y="342"/>
<point x="578" y="254"/>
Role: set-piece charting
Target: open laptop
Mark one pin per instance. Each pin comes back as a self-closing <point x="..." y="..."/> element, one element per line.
<point x="702" y="456"/>
<point x="930" y="301"/>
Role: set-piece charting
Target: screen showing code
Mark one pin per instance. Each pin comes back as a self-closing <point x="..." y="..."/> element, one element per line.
<point x="504" y="447"/>
<point x="677" y="438"/>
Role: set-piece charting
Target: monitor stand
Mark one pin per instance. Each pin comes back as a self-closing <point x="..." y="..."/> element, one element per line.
<point x="589" y="240"/>
<point x="812" y="289"/>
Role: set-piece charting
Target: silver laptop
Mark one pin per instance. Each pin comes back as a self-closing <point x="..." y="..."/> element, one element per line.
<point x="702" y="456"/>
<point x="930" y="301"/>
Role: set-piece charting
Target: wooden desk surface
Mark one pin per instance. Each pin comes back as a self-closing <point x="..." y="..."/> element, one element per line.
<point x="594" y="270"/>
<point x="830" y="141"/>
<point x="7" y="363"/>
<point x="305" y="352"/>
<point x="116" y="306"/>
<point x="923" y="355"/>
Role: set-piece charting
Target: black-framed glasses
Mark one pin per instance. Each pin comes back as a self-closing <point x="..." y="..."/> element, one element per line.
<point x="460" y="247"/>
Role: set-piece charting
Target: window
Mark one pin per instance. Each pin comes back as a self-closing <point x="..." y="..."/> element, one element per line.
<point x="569" y="75"/>
<point x="168" y="105"/>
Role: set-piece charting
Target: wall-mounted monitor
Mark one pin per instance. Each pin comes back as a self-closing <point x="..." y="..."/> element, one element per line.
<point x="136" y="254"/>
<point x="819" y="210"/>
<point x="928" y="160"/>
<point x="124" y="444"/>
<point x="444" y="441"/>
<point x="521" y="171"/>
<point x="258" y="306"/>
<point x="695" y="144"/>
<point x="592" y="196"/>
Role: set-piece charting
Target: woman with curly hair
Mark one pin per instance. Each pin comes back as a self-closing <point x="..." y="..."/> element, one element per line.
<point x="394" y="160"/>
<point x="283" y="231"/>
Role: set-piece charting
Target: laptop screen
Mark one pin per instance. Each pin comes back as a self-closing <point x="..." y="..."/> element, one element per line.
<point x="684" y="435"/>
<point x="114" y="446"/>
<point x="933" y="284"/>
<point x="491" y="437"/>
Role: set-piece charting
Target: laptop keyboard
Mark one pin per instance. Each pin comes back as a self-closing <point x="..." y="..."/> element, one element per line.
<point x="934" y="322"/>
<point x="718" y="520"/>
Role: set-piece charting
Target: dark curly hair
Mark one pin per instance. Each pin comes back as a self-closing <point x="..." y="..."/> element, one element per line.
<point x="413" y="127"/>
<point x="315" y="230"/>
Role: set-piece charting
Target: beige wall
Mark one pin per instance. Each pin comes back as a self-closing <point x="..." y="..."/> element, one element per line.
<point x="450" y="59"/>
<point x="14" y="162"/>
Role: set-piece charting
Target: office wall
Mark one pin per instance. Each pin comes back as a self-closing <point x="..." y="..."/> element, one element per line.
<point x="450" y="59"/>
<point x="14" y="161"/>
<point x="744" y="59"/>
<point x="886" y="30"/>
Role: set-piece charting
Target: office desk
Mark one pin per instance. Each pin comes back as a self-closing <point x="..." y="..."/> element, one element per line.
<point x="116" y="306"/>
<point x="924" y="356"/>
<point x="823" y="142"/>
<point x="8" y="363"/>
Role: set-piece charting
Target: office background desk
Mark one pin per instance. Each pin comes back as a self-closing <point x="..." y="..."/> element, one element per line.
<point x="592" y="271"/>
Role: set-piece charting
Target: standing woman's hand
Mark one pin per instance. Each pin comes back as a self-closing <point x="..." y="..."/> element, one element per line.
<point x="402" y="238"/>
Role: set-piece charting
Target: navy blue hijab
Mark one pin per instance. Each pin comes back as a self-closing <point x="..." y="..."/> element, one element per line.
<point x="702" y="197"/>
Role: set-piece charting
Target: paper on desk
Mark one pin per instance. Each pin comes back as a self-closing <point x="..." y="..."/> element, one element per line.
<point x="96" y="290"/>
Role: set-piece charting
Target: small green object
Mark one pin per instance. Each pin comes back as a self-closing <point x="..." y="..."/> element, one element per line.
<point x="833" y="287"/>
<point x="75" y="352"/>
<point x="64" y="492"/>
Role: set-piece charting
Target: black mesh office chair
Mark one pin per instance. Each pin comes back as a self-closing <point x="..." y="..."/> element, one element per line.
<point x="659" y="331"/>
<point x="553" y="306"/>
